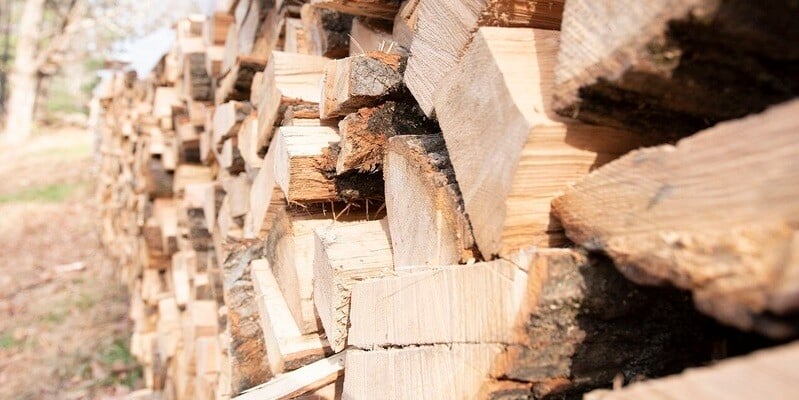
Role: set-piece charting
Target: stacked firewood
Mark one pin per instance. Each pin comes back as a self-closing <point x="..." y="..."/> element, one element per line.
<point x="436" y="199"/>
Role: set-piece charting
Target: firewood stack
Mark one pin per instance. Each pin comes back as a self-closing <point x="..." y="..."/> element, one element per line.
<point x="435" y="199"/>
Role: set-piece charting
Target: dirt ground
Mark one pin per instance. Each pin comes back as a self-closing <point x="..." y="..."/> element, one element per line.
<point x="64" y="331"/>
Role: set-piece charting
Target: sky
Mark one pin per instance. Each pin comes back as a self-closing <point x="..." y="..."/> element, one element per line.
<point x="144" y="52"/>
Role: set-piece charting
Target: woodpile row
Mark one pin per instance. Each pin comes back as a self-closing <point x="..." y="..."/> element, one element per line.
<point x="436" y="199"/>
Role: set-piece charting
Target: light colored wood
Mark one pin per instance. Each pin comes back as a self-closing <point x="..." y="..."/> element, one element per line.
<point x="512" y="155"/>
<point x="440" y="372"/>
<point x="767" y="374"/>
<point x="360" y="81"/>
<point x="227" y="120"/>
<point x="371" y="36"/>
<point x="186" y="174"/>
<point x="180" y="278"/>
<point x="445" y="29"/>
<point x="166" y="214"/>
<point x="237" y="188"/>
<point x="306" y="379"/>
<point x="266" y="198"/>
<point x="405" y="24"/>
<point x="326" y="31"/>
<point x="288" y="79"/>
<point x="255" y="94"/>
<point x="716" y="214"/>
<point x="213" y="60"/>
<point x="216" y="28"/>
<point x="425" y="208"/>
<point x="164" y="99"/>
<point x="346" y="253"/>
<point x="231" y="50"/>
<point x="381" y="9"/>
<point x="473" y="304"/>
<point x="211" y="204"/>
<point x="286" y="347"/>
<point x="168" y="330"/>
<point x="248" y="142"/>
<point x="290" y="251"/>
<point x="300" y="150"/>
<point x="296" y="39"/>
<point x="204" y="319"/>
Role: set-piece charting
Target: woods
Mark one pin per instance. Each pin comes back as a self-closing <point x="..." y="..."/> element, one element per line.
<point x="41" y="38"/>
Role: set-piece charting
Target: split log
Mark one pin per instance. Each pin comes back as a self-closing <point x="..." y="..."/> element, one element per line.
<point x="158" y="182"/>
<point x="361" y="81"/>
<point x="346" y="253"/>
<point x="765" y="374"/>
<point x="574" y="331"/>
<point x="288" y="79"/>
<point x="186" y="174"/>
<point x="266" y="198"/>
<point x="166" y="214"/>
<point x="300" y="153"/>
<point x="558" y="321"/>
<point x="369" y="35"/>
<point x="214" y="56"/>
<point x="194" y="204"/>
<point x="381" y="9"/>
<point x="513" y="155"/>
<point x="405" y="24"/>
<point x="295" y="383"/>
<point x="237" y="189"/>
<point x="255" y="94"/>
<point x="364" y="134"/>
<point x="227" y="120"/>
<point x="287" y="348"/>
<point x="247" y="143"/>
<point x="163" y="100"/>
<point x="296" y="40"/>
<point x="196" y="82"/>
<point x="474" y="304"/>
<point x="445" y="29"/>
<point x="326" y="31"/>
<point x="230" y="157"/>
<point x="716" y="214"/>
<point x="447" y="371"/>
<point x="248" y="363"/>
<point x="672" y="68"/>
<point x="188" y="143"/>
<point x="238" y="81"/>
<point x="180" y="278"/>
<point x="425" y="208"/>
<point x="216" y="27"/>
<point x="290" y="251"/>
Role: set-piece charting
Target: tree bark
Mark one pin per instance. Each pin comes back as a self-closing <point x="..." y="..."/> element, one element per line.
<point x="4" y="56"/>
<point x="23" y="85"/>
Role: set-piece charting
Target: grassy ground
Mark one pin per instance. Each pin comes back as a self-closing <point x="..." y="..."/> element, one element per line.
<point x="63" y="335"/>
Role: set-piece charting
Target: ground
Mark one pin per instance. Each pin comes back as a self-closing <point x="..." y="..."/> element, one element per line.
<point x="64" y="330"/>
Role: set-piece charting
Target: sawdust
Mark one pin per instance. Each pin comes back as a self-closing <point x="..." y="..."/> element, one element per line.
<point x="63" y="331"/>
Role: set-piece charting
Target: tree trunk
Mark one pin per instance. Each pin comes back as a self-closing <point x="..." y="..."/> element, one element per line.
<point x="23" y="85"/>
<point x="6" y="13"/>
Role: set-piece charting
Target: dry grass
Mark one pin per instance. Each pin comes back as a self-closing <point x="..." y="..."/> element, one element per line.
<point x="62" y="335"/>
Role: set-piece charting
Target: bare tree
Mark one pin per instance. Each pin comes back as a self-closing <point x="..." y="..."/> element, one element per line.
<point x="22" y="98"/>
<point x="40" y="55"/>
<point x="5" y="13"/>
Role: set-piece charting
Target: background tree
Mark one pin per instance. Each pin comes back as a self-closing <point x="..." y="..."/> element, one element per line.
<point x="53" y="33"/>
